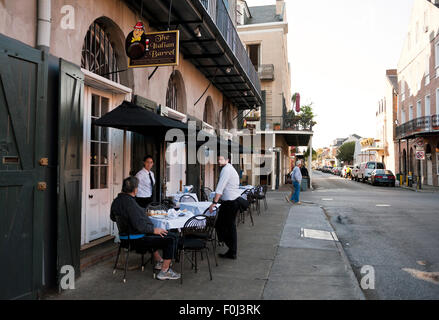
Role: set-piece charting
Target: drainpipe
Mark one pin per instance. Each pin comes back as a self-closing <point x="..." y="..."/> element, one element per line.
<point x="43" y="25"/>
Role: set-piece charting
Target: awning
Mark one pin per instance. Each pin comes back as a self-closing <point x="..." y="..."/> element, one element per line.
<point x="131" y="117"/>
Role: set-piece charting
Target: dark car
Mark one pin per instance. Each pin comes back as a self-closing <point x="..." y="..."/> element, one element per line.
<point x="382" y="176"/>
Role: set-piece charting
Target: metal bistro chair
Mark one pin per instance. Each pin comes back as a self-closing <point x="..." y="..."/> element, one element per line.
<point x="130" y="242"/>
<point x="195" y="233"/>
<point x="156" y="206"/>
<point x="260" y="195"/>
<point x="205" y="192"/>
<point x="247" y="194"/>
<point x="187" y="198"/>
<point x="211" y="236"/>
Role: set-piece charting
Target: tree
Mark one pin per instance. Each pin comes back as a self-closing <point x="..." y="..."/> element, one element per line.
<point x="346" y="152"/>
<point x="306" y="155"/>
<point x="306" y="117"/>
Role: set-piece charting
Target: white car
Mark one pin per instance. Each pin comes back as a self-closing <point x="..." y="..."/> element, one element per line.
<point x="366" y="169"/>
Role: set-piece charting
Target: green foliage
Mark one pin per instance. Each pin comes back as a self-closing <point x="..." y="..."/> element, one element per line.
<point x="306" y="154"/>
<point x="346" y="152"/>
<point x="306" y="116"/>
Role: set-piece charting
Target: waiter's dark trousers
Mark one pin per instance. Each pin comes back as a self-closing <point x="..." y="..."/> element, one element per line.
<point x="226" y="225"/>
<point x="143" y="202"/>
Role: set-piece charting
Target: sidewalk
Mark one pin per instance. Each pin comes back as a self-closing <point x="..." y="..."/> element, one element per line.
<point x="274" y="262"/>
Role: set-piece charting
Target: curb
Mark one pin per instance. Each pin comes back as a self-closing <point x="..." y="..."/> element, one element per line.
<point x="350" y="271"/>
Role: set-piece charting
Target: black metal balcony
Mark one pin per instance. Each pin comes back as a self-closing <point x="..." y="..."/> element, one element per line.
<point x="210" y="41"/>
<point x="421" y="125"/>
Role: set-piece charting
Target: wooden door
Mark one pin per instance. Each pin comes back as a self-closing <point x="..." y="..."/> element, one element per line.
<point x="23" y="79"/>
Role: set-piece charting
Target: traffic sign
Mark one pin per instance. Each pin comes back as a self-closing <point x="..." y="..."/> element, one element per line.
<point x="420" y="155"/>
<point x="419" y="142"/>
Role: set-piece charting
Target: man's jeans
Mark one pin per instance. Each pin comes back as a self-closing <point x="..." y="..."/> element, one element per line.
<point x="296" y="193"/>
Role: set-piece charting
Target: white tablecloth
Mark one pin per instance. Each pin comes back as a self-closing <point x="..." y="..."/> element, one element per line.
<point x="246" y="187"/>
<point x="196" y="207"/>
<point x="177" y="196"/>
<point x="171" y="223"/>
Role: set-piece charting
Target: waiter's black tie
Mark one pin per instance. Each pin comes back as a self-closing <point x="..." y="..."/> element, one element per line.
<point x="152" y="182"/>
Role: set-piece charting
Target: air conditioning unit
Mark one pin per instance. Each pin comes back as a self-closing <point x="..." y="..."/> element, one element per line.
<point x="173" y="114"/>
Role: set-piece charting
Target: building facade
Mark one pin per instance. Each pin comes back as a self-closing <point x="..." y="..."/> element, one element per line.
<point x="64" y="66"/>
<point x="386" y="121"/>
<point x="264" y="31"/>
<point x="417" y="133"/>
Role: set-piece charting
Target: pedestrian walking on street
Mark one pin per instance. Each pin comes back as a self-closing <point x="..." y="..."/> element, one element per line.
<point x="296" y="178"/>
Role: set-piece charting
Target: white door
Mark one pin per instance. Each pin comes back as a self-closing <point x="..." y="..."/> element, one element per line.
<point x="97" y="168"/>
<point x="429" y="172"/>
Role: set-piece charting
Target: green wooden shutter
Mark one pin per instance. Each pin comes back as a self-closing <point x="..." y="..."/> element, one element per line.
<point x="23" y="79"/>
<point x="71" y="110"/>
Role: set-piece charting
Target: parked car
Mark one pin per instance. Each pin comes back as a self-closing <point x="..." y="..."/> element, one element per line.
<point x="366" y="169"/>
<point x="355" y="170"/>
<point x="336" y="171"/>
<point x="382" y="176"/>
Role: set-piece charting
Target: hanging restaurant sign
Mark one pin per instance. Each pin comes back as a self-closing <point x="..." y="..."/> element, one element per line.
<point x="152" y="49"/>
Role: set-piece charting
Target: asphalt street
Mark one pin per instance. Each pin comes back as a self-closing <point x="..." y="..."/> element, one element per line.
<point x="396" y="231"/>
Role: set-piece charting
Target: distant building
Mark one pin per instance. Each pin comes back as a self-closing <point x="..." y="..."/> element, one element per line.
<point x="418" y="93"/>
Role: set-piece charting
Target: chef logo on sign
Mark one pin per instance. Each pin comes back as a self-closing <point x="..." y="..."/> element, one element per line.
<point x="137" y="43"/>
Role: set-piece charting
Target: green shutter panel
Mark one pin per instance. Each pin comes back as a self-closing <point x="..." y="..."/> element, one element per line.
<point x="23" y="78"/>
<point x="71" y="109"/>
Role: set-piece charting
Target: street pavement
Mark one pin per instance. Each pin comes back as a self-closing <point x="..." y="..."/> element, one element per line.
<point x="394" y="230"/>
<point x="274" y="262"/>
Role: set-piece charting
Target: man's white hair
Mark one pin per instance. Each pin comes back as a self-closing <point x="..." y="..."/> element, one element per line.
<point x="298" y="162"/>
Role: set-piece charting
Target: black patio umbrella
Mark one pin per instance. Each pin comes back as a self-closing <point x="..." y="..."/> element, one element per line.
<point x="131" y="117"/>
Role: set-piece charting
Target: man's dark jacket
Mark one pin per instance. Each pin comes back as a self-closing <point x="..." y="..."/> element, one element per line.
<point x="132" y="217"/>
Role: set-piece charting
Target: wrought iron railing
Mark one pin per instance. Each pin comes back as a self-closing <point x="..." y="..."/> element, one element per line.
<point x="418" y="125"/>
<point x="286" y="123"/>
<point x="219" y="13"/>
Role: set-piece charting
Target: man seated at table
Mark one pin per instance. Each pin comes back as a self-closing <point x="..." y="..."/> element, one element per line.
<point x="135" y="221"/>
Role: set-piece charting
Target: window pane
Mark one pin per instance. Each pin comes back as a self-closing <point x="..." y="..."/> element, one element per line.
<point x="104" y="105"/>
<point x="104" y="177"/>
<point x="104" y="134"/>
<point x="94" y="132"/>
<point x="380" y="165"/>
<point x="104" y="153"/>
<point x="94" y="153"/>
<point x="94" y="176"/>
<point x="95" y="106"/>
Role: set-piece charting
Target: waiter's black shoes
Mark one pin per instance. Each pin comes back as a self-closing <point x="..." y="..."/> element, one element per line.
<point x="227" y="255"/>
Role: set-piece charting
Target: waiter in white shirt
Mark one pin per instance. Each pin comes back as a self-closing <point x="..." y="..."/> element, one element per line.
<point x="228" y="191"/>
<point x="146" y="182"/>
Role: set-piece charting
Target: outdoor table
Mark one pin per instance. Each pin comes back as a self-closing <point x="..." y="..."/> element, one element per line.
<point x="177" y="196"/>
<point x="246" y="187"/>
<point x="196" y="208"/>
<point x="167" y="223"/>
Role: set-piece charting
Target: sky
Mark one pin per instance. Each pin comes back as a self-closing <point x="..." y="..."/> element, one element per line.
<point x="339" y="52"/>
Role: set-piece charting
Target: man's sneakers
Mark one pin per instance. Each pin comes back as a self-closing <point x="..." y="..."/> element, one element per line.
<point x="168" y="275"/>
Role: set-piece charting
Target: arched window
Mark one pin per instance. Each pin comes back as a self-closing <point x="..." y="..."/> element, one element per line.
<point x="208" y="115"/>
<point x="171" y="94"/>
<point x="98" y="55"/>
<point x="176" y="94"/>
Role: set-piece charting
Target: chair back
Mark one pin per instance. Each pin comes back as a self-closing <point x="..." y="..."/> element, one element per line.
<point x="196" y="226"/>
<point x="206" y="191"/>
<point x="187" y="198"/>
<point x="156" y="206"/>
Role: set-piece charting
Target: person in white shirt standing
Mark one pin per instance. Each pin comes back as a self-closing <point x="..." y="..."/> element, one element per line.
<point x="146" y="183"/>
<point x="228" y="191"/>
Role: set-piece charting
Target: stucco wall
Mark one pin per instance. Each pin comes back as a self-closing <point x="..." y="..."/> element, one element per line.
<point x="18" y="20"/>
